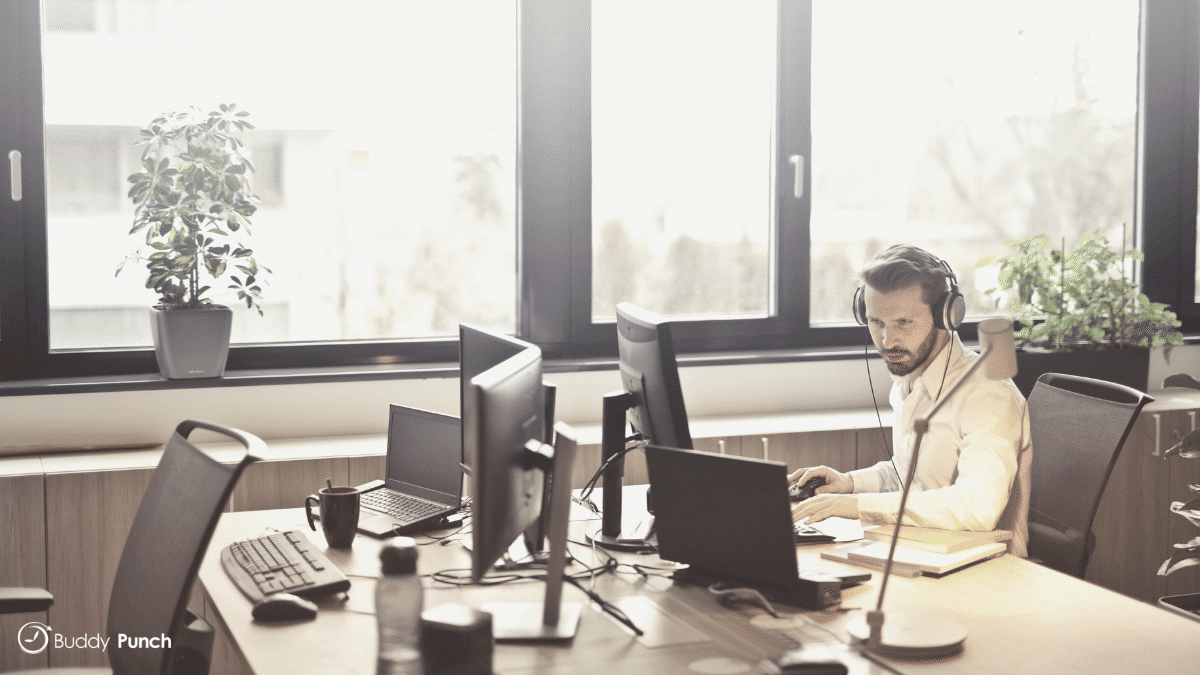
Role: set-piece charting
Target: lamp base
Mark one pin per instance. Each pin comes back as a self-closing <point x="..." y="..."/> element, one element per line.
<point x="909" y="636"/>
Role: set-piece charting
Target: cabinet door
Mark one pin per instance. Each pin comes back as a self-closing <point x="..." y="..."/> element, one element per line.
<point x="23" y="550"/>
<point x="1131" y="523"/>
<point x="874" y="446"/>
<point x="805" y="449"/>
<point x="283" y="484"/>
<point x="88" y="517"/>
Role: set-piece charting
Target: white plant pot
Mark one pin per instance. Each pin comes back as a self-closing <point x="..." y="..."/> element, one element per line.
<point x="191" y="343"/>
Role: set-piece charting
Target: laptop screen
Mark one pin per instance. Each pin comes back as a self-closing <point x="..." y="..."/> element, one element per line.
<point x="423" y="455"/>
<point x="723" y="515"/>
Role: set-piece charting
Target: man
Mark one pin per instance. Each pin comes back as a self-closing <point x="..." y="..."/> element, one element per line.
<point x="973" y="471"/>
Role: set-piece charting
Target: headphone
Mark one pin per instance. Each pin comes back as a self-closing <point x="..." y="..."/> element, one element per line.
<point x="948" y="311"/>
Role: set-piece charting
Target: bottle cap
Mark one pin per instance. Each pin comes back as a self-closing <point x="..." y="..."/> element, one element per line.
<point x="399" y="556"/>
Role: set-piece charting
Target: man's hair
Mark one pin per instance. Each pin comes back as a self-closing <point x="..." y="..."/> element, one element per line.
<point x="904" y="265"/>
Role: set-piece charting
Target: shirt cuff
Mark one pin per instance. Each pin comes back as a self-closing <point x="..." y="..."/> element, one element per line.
<point x="866" y="480"/>
<point x="878" y="508"/>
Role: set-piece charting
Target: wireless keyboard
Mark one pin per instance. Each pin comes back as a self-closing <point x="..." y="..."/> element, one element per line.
<point x="285" y="562"/>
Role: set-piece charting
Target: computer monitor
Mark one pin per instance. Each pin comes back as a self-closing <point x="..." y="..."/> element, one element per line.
<point x="503" y="420"/>
<point x="652" y="401"/>
<point x="480" y="349"/>
<point x="649" y="372"/>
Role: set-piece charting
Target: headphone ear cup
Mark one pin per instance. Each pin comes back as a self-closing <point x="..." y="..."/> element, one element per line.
<point x="956" y="309"/>
<point x="859" y="307"/>
<point x="939" y="312"/>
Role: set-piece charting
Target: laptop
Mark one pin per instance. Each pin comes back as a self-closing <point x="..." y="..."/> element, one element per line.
<point x="423" y="477"/>
<point x="729" y="519"/>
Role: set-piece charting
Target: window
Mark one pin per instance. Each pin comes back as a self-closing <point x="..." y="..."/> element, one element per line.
<point x="527" y="164"/>
<point x="955" y="126"/>
<point x="683" y="109"/>
<point x="384" y="155"/>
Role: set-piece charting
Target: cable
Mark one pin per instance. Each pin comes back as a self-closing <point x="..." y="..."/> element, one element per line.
<point x="631" y="443"/>
<point x="609" y="608"/>
<point x="871" y="384"/>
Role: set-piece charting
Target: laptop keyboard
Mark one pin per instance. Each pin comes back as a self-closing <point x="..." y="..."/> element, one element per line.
<point x="399" y="506"/>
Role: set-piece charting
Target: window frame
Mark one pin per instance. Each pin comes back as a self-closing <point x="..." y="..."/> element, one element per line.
<point x="1166" y="184"/>
<point x="554" y="208"/>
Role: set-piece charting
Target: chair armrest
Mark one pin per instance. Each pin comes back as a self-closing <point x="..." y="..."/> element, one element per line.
<point x="20" y="600"/>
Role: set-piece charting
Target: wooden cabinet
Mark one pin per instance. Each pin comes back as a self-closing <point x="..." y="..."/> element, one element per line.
<point x="1130" y="522"/>
<point x="1134" y="527"/>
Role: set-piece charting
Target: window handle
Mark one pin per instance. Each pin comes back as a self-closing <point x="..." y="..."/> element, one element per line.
<point x="798" y="162"/>
<point x="14" y="164"/>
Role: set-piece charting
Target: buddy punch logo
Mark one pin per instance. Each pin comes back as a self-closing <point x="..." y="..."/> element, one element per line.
<point x="35" y="638"/>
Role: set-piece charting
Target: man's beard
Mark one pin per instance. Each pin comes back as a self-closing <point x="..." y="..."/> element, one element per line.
<point x="900" y="368"/>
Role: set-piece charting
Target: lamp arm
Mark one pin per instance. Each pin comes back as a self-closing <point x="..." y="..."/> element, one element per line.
<point x="920" y="426"/>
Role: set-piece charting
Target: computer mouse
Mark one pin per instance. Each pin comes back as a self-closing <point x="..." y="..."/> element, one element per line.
<point x="799" y="493"/>
<point x="283" y="607"/>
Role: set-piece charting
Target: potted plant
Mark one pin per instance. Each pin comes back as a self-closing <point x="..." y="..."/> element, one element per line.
<point x="193" y="200"/>
<point x="1186" y="554"/>
<point x="1078" y="313"/>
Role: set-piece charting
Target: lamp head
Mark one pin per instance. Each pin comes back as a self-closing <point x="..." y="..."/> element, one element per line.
<point x="996" y="341"/>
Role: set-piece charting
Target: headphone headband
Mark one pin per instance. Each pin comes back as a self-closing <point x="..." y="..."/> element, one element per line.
<point x="948" y="311"/>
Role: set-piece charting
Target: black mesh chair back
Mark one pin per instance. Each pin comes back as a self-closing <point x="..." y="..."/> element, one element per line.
<point x="1077" y="426"/>
<point x="187" y="493"/>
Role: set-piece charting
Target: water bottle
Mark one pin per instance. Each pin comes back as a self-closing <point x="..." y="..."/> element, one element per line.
<point x="398" y="606"/>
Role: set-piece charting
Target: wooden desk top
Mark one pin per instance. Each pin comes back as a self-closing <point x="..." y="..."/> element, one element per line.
<point x="1020" y="618"/>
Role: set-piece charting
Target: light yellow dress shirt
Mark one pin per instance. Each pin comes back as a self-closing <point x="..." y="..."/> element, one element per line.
<point x="974" y="466"/>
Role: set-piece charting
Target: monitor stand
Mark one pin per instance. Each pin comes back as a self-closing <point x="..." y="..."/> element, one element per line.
<point x="553" y="619"/>
<point x="612" y="455"/>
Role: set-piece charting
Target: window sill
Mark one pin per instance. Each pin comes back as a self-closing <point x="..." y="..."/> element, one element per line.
<point x="249" y="378"/>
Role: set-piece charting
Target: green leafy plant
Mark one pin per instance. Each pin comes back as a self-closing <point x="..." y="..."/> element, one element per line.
<point x="1186" y="554"/>
<point x="1080" y="298"/>
<point x="193" y="199"/>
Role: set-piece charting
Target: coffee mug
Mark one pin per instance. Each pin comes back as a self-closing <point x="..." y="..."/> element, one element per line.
<point x="339" y="514"/>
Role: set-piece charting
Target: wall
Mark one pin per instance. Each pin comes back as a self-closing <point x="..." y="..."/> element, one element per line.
<point x="54" y="421"/>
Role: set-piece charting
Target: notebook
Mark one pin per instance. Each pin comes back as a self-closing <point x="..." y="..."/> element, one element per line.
<point x="729" y="519"/>
<point x="423" y="468"/>
<point x="912" y="562"/>
<point x="936" y="540"/>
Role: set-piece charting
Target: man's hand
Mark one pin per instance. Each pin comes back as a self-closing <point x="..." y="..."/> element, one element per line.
<point x="825" y="506"/>
<point x="835" y="481"/>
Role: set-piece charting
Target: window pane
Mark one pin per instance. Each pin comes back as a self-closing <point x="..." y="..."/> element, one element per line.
<point x="683" y="98"/>
<point x="384" y="155"/>
<point x="955" y="125"/>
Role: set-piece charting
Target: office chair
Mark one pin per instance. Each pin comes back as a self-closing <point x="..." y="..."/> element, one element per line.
<point x="162" y="555"/>
<point x="1077" y="427"/>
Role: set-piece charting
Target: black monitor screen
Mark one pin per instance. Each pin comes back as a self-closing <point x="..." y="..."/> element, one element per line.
<point x="424" y="451"/>
<point x="650" y="373"/>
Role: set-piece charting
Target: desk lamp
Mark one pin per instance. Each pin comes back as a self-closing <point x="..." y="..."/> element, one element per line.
<point x="909" y="636"/>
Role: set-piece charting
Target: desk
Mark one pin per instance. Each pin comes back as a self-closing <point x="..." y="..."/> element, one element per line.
<point x="1021" y="618"/>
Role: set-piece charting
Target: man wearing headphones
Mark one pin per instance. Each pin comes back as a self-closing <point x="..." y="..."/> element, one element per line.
<point x="973" y="471"/>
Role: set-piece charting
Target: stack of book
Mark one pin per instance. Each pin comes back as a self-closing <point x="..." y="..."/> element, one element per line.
<point x="921" y="550"/>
